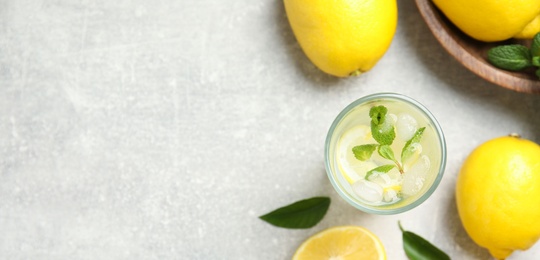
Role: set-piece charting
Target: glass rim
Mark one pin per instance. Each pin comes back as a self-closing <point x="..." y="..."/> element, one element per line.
<point x="399" y="97"/>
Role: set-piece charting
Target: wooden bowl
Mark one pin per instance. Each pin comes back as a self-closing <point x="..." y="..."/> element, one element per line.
<point x="473" y="54"/>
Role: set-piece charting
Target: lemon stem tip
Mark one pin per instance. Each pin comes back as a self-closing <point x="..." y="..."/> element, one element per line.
<point x="356" y="73"/>
<point x="515" y="135"/>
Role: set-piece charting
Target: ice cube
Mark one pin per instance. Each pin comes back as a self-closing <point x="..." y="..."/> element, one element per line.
<point x="380" y="178"/>
<point x="394" y="175"/>
<point x="417" y="150"/>
<point x="368" y="191"/>
<point x="414" y="178"/>
<point x="392" y="119"/>
<point x="391" y="178"/>
<point x="390" y="195"/>
<point x="406" y="126"/>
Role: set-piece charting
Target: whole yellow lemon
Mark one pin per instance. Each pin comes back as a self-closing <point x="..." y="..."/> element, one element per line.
<point x="498" y="195"/>
<point x="493" y="20"/>
<point x="343" y="37"/>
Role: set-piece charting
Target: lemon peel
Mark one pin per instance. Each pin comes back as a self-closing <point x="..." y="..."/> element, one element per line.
<point x="342" y="242"/>
<point x="343" y="37"/>
<point x="498" y="193"/>
<point x="491" y="20"/>
<point x="530" y="30"/>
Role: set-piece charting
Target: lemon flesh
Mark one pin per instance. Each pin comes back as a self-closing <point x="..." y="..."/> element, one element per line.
<point x="342" y="242"/>
<point x="490" y="20"/>
<point x="352" y="168"/>
<point x="343" y="37"/>
<point x="498" y="193"/>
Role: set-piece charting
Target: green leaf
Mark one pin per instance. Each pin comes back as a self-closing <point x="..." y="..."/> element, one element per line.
<point x="378" y="114"/>
<point x="301" y="214"/>
<point x="536" y="61"/>
<point x="417" y="248"/>
<point x="364" y="152"/>
<point x="535" y="46"/>
<point x="383" y="168"/>
<point x="408" y="148"/>
<point x="386" y="152"/>
<point x="382" y="131"/>
<point x="538" y="73"/>
<point x="510" y="57"/>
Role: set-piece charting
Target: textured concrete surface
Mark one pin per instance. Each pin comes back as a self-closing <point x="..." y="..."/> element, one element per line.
<point x="163" y="129"/>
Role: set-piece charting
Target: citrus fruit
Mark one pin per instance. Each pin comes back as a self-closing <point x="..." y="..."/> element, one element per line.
<point x="343" y="37"/>
<point x="352" y="168"/>
<point x="492" y="20"/>
<point x="530" y="30"/>
<point x="342" y="242"/>
<point x="498" y="195"/>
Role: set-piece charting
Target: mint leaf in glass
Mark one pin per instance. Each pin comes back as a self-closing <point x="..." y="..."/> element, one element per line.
<point x="301" y="214"/>
<point x="386" y="152"/>
<point x="510" y="57"/>
<point x="409" y="148"/>
<point x="381" y="169"/>
<point x="381" y="128"/>
<point x="364" y="152"/>
<point x="378" y="114"/>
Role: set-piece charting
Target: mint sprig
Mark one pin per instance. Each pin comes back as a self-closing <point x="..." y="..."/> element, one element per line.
<point x="516" y="57"/>
<point x="384" y="133"/>
<point x="381" y="129"/>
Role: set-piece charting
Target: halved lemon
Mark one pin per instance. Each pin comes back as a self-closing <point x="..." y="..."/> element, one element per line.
<point x="352" y="168"/>
<point x="342" y="242"/>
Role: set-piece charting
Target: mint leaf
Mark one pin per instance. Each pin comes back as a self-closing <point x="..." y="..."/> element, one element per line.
<point x="381" y="129"/>
<point x="383" y="168"/>
<point x="535" y="47"/>
<point x="536" y="61"/>
<point x="409" y="149"/>
<point x="510" y="57"/>
<point x="378" y="114"/>
<point x="301" y="214"/>
<point x="386" y="152"/>
<point x="364" y="152"/>
<point x="417" y="248"/>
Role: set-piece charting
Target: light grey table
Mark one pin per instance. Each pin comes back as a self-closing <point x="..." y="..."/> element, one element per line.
<point x="163" y="129"/>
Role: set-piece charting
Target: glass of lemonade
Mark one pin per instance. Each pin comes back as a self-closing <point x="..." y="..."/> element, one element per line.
<point x="385" y="153"/>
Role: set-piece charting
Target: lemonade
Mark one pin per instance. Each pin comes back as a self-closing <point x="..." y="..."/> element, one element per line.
<point x="385" y="153"/>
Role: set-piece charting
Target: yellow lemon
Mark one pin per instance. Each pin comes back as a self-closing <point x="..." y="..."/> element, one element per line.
<point x="498" y="195"/>
<point x="342" y="242"/>
<point x="343" y="37"/>
<point x="530" y="30"/>
<point x="492" y="20"/>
